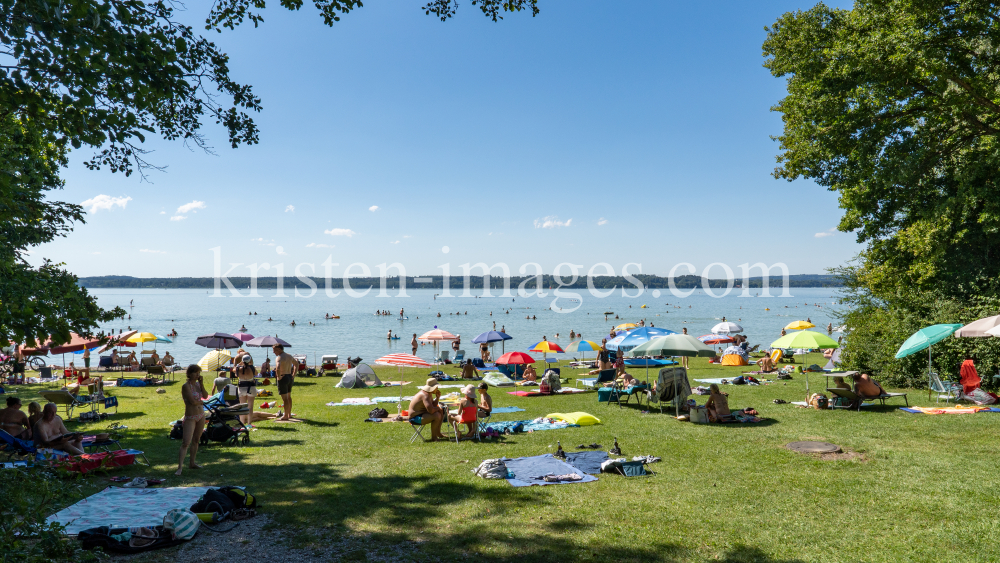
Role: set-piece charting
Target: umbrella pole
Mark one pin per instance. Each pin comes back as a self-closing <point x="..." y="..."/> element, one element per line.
<point x="929" y="386"/>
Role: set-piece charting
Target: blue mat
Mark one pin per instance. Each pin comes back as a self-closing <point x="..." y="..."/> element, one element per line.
<point x="915" y="411"/>
<point x="501" y="410"/>
<point x="529" y="471"/>
<point x="589" y="462"/>
<point x="529" y="425"/>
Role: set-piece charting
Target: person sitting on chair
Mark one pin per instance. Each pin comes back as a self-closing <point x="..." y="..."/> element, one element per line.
<point x="50" y="432"/>
<point x="14" y="421"/>
<point x="155" y="358"/>
<point x="133" y="362"/>
<point x="717" y="405"/>
<point x="465" y="410"/>
<point x="485" y="401"/>
<point x="424" y="409"/>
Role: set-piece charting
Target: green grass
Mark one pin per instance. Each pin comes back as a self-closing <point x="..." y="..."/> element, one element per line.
<point x="923" y="490"/>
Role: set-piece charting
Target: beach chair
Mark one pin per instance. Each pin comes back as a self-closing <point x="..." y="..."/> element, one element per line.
<point x="605" y="376"/>
<point x="418" y="428"/>
<point x="25" y="448"/>
<point x="551" y="362"/>
<point x="105" y="362"/>
<point x="443" y="357"/>
<point x="945" y="388"/>
<point x="146" y="362"/>
<point x="857" y="399"/>
<point x="68" y="401"/>
<point x="619" y="390"/>
<point x="484" y="420"/>
<point x="470" y="421"/>
<point x="459" y="356"/>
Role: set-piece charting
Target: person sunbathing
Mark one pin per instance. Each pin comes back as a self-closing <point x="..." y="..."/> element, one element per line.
<point x="529" y="373"/>
<point x="717" y="405"/>
<point x="627" y="379"/>
<point x="866" y="387"/>
<point x="469" y="370"/>
<point x="766" y="364"/>
<point x="50" y="432"/>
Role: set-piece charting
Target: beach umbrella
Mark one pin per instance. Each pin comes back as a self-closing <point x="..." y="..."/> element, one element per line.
<point x="213" y="360"/>
<point x="437" y="335"/>
<point x="166" y="339"/>
<point x="267" y="342"/>
<point x="673" y="345"/>
<point x="626" y="326"/>
<point x="808" y="339"/>
<point x="243" y="336"/>
<point x="217" y="341"/>
<point x="400" y="361"/>
<point x="583" y="346"/>
<point x="714" y="339"/>
<point x="631" y="339"/>
<point x="926" y="338"/>
<point x="980" y="328"/>
<point x="76" y="343"/>
<point x="799" y="325"/>
<point x="491" y="336"/>
<point x="141" y="338"/>
<point x="727" y="328"/>
<point x="545" y="347"/>
<point x="515" y="358"/>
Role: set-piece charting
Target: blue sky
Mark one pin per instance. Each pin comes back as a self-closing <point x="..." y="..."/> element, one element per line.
<point x="595" y="132"/>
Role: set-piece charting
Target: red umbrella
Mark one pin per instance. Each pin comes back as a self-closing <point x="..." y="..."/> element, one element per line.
<point x="76" y="343"/>
<point x="712" y="339"/>
<point x="511" y="358"/>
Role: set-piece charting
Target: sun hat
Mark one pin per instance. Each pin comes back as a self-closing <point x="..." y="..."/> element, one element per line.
<point x="432" y="385"/>
<point x="469" y="391"/>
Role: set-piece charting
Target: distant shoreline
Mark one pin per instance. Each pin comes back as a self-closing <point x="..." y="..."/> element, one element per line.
<point x="457" y="283"/>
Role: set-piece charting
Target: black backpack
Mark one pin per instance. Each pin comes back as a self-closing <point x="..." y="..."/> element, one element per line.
<point x="214" y="500"/>
<point x="177" y="432"/>
<point x="240" y="497"/>
<point x="378" y="413"/>
<point x="218" y="432"/>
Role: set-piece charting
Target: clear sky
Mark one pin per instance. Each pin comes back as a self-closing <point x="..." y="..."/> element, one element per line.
<point x="596" y="132"/>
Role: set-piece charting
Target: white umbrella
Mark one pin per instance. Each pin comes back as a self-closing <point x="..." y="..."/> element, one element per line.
<point x="726" y="328"/>
<point x="980" y="329"/>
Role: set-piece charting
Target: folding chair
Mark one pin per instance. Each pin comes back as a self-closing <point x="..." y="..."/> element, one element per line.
<point x="484" y="421"/>
<point x="605" y="376"/>
<point x="67" y="401"/>
<point x="459" y="356"/>
<point x="470" y="421"/>
<point x="418" y="429"/>
<point x="950" y="389"/>
<point x="26" y="448"/>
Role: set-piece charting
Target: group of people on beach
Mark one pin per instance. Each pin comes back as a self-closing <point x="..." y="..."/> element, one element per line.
<point x="425" y="408"/>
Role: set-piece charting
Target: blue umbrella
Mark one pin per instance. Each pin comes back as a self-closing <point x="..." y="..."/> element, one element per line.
<point x="627" y="341"/>
<point x="492" y="336"/>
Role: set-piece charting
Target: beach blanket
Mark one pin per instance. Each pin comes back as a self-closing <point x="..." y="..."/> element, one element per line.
<point x="395" y="399"/>
<point x="717" y="380"/>
<point x="530" y="425"/>
<point x="588" y="462"/>
<point x="971" y="409"/>
<point x="353" y="402"/>
<point x="527" y="393"/>
<point x="530" y="471"/>
<point x="120" y="507"/>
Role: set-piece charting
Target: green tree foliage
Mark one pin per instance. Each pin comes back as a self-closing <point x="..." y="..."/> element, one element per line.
<point x="895" y="105"/>
<point x="104" y="74"/>
<point x="27" y="497"/>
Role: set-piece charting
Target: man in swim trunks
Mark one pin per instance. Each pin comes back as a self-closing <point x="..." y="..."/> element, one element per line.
<point x="14" y="421"/>
<point x="413" y="344"/>
<point x="424" y="409"/>
<point x="50" y="432"/>
<point x="285" y="367"/>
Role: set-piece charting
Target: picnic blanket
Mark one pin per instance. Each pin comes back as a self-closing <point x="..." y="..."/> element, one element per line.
<point x="121" y="507"/>
<point x="501" y="410"/>
<point x="971" y="409"/>
<point x="589" y="462"/>
<point x="717" y="380"/>
<point x="530" y="471"/>
<point x="535" y="425"/>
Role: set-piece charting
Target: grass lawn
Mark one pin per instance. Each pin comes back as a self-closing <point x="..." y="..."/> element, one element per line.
<point x="923" y="489"/>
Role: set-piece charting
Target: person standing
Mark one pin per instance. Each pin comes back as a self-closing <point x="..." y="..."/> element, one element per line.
<point x="284" y="370"/>
<point x="413" y="344"/>
<point x="193" y="393"/>
<point x="247" y="390"/>
<point x="684" y="359"/>
<point x="86" y="361"/>
<point x="457" y="343"/>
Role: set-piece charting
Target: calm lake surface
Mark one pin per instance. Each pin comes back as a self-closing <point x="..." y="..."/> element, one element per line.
<point x="359" y="332"/>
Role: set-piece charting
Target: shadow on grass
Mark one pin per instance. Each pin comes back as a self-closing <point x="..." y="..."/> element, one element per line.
<point x="747" y="554"/>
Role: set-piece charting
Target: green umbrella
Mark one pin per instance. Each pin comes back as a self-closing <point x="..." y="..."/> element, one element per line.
<point x="807" y="339"/>
<point x="673" y="345"/>
<point x="925" y="338"/>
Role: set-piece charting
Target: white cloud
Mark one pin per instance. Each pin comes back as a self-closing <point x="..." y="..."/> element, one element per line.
<point x="151" y="251"/>
<point x="340" y="232"/>
<point x="260" y="239"/>
<point x="373" y="208"/>
<point x="280" y="250"/>
<point x="290" y="209"/>
<point x="407" y="236"/>
<point x="602" y="221"/>
<point x="318" y="245"/>
<point x="105" y="202"/>
<point x="551" y="222"/>
<point x="187" y="207"/>
<point x="95" y="252"/>
<point x="827" y="233"/>
<point x="394" y="242"/>
<point x="163" y="212"/>
<point x="178" y="218"/>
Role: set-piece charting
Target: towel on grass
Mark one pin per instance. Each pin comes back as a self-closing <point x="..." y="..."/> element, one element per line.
<point x="971" y="409"/>
<point x="501" y="410"/>
<point x="532" y="425"/>
<point x="530" y="471"/>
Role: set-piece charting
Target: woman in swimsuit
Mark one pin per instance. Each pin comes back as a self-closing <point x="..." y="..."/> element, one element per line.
<point x="193" y="392"/>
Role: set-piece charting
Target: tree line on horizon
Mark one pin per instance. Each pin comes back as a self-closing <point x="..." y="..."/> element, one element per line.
<point x="455" y="283"/>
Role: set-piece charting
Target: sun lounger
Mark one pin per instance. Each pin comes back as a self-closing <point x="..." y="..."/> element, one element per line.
<point x="68" y="401"/>
<point x="605" y="376"/>
<point x="855" y="399"/>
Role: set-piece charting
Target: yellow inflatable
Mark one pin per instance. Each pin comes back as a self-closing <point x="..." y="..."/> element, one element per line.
<point x="581" y="418"/>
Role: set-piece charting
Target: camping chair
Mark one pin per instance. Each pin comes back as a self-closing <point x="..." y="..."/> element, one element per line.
<point x="484" y="421"/>
<point x="605" y="376"/>
<point x="105" y="362"/>
<point x="26" y="448"/>
<point x="459" y="356"/>
<point x="418" y="428"/>
<point x="474" y="422"/>
<point x="67" y="401"/>
<point x="950" y="389"/>
<point x="443" y="357"/>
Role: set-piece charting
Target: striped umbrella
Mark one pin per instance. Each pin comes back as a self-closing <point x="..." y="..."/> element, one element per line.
<point x="545" y="347"/>
<point x="401" y="361"/>
<point x="626" y="326"/>
<point x="714" y="339"/>
<point x="583" y="346"/>
<point x="437" y="334"/>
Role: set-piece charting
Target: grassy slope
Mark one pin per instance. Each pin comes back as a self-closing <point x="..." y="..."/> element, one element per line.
<point x="924" y="490"/>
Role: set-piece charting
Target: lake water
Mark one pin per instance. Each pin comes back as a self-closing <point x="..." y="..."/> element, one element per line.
<point x="359" y="332"/>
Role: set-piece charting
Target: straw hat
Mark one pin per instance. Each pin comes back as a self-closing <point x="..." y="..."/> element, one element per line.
<point x="432" y="385"/>
<point x="469" y="391"/>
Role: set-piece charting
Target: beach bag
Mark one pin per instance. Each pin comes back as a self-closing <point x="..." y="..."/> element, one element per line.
<point x="181" y="523"/>
<point x="491" y="469"/>
<point x="378" y="413"/>
<point x="240" y="497"/>
<point x="218" y="432"/>
<point x="177" y="432"/>
<point x="981" y="397"/>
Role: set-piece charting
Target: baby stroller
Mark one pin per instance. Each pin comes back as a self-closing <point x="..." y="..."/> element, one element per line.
<point x="224" y="424"/>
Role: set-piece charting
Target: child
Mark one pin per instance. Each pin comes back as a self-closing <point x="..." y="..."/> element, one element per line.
<point x="468" y="412"/>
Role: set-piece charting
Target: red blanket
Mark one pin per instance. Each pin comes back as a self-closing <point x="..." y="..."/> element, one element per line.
<point x="90" y="462"/>
<point x="970" y="378"/>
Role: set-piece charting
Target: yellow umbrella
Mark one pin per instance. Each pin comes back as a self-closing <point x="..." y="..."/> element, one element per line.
<point x="213" y="360"/>
<point x="626" y="326"/>
<point x="141" y="337"/>
<point x="799" y="325"/>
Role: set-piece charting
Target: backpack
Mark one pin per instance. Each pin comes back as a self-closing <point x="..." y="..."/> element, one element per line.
<point x="218" y="432"/>
<point x="240" y="497"/>
<point x="491" y="469"/>
<point x="177" y="432"/>
<point x="214" y="500"/>
<point x="378" y="413"/>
